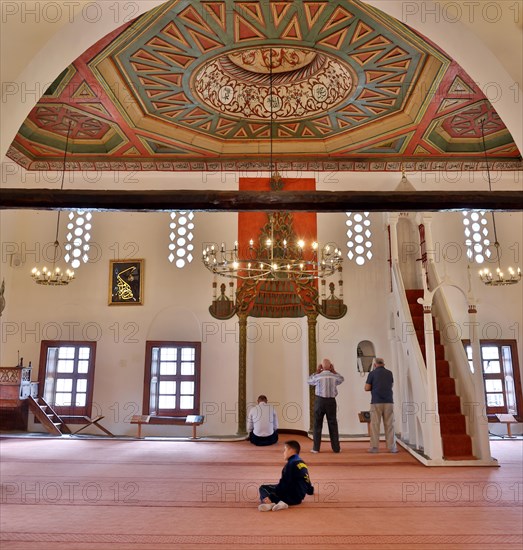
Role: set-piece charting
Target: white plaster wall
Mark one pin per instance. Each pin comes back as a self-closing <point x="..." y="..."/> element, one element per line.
<point x="177" y="302"/>
<point x="500" y="308"/>
<point x="176" y="307"/>
<point x="277" y="363"/>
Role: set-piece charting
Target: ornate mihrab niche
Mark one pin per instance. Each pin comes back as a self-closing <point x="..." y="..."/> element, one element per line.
<point x="281" y="82"/>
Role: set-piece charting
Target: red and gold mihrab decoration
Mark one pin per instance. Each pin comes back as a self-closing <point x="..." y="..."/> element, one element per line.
<point x="284" y="82"/>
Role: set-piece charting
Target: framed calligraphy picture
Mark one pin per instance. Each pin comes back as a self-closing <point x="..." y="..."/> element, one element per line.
<point x="126" y="282"/>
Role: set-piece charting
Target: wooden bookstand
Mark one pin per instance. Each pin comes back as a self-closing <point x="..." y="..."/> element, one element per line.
<point x="140" y="419"/>
<point x="507" y="419"/>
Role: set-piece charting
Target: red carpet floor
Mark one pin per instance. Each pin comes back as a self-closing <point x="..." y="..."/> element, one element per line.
<point x="86" y="494"/>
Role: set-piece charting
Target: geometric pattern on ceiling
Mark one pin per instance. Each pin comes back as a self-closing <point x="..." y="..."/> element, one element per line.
<point x="208" y="85"/>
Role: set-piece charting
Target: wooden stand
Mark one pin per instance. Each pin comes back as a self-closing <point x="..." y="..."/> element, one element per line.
<point x="91" y="422"/>
<point x="507" y="419"/>
<point x="190" y="420"/>
<point x="194" y="420"/>
<point x="140" y="419"/>
<point x="364" y="417"/>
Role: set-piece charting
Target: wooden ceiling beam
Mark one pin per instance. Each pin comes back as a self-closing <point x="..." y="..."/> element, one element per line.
<point x="241" y="201"/>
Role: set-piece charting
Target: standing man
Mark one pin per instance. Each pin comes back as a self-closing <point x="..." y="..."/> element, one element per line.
<point x="379" y="383"/>
<point x="262" y="423"/>
<point x="326" y="381"/>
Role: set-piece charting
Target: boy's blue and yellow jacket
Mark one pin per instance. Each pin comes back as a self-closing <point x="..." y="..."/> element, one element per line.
<point x="295" y="482"/>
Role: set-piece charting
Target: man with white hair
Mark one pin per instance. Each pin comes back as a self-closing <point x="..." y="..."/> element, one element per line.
<point x="379" y="383"/>
<point x="325" y="381"/>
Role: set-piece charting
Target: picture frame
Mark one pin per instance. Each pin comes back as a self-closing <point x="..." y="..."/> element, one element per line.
<point x="126" y="282"/>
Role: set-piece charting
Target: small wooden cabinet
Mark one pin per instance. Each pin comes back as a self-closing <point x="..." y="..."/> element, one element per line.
<point x="15" y="388"/>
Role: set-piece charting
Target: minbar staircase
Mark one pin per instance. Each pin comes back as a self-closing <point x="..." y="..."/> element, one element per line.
<point x="47" y="416"/>
<point x="456" y="443"/>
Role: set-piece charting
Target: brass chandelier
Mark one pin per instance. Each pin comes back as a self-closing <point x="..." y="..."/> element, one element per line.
<point x="499" y="277"/>
<point x="278" y="254"/>
<point x="273" y="257"/>
<point x="55" y="276"/>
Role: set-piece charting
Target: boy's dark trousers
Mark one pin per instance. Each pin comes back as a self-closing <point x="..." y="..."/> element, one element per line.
<point x="269" y="491"/>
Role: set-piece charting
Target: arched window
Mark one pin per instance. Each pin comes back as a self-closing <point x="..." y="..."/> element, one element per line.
<point x="365" y="356"/>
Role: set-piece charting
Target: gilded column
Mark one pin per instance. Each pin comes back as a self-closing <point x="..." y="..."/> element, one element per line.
<point x="311" y="323"/>
<point x="242" y="376"/>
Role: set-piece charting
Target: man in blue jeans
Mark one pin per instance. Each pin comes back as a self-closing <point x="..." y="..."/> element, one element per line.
<point x="379" y="383"/>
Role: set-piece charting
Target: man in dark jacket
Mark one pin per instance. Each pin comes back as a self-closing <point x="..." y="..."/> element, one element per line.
<point x="379" y="383"/>
<point x="293" y="485"/>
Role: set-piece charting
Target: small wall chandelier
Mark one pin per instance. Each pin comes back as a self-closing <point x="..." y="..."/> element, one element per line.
<point x="499" y="277"/>
<point x="55" y="276"/>
<point x="273" y="257"/>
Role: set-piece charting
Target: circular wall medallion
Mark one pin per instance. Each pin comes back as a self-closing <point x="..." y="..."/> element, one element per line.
<point x="281" y="82"/>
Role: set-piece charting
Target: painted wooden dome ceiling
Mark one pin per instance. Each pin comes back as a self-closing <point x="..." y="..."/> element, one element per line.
<point x="311" y="85"/>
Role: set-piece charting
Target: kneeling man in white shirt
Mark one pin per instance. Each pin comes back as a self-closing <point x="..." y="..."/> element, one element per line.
<point x="262" y="423"/>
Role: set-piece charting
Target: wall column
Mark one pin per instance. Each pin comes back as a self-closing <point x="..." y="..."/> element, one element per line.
<point x="242" y="376"/>
<point x="312" y="321"/>
<point x="393" y="236"/>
